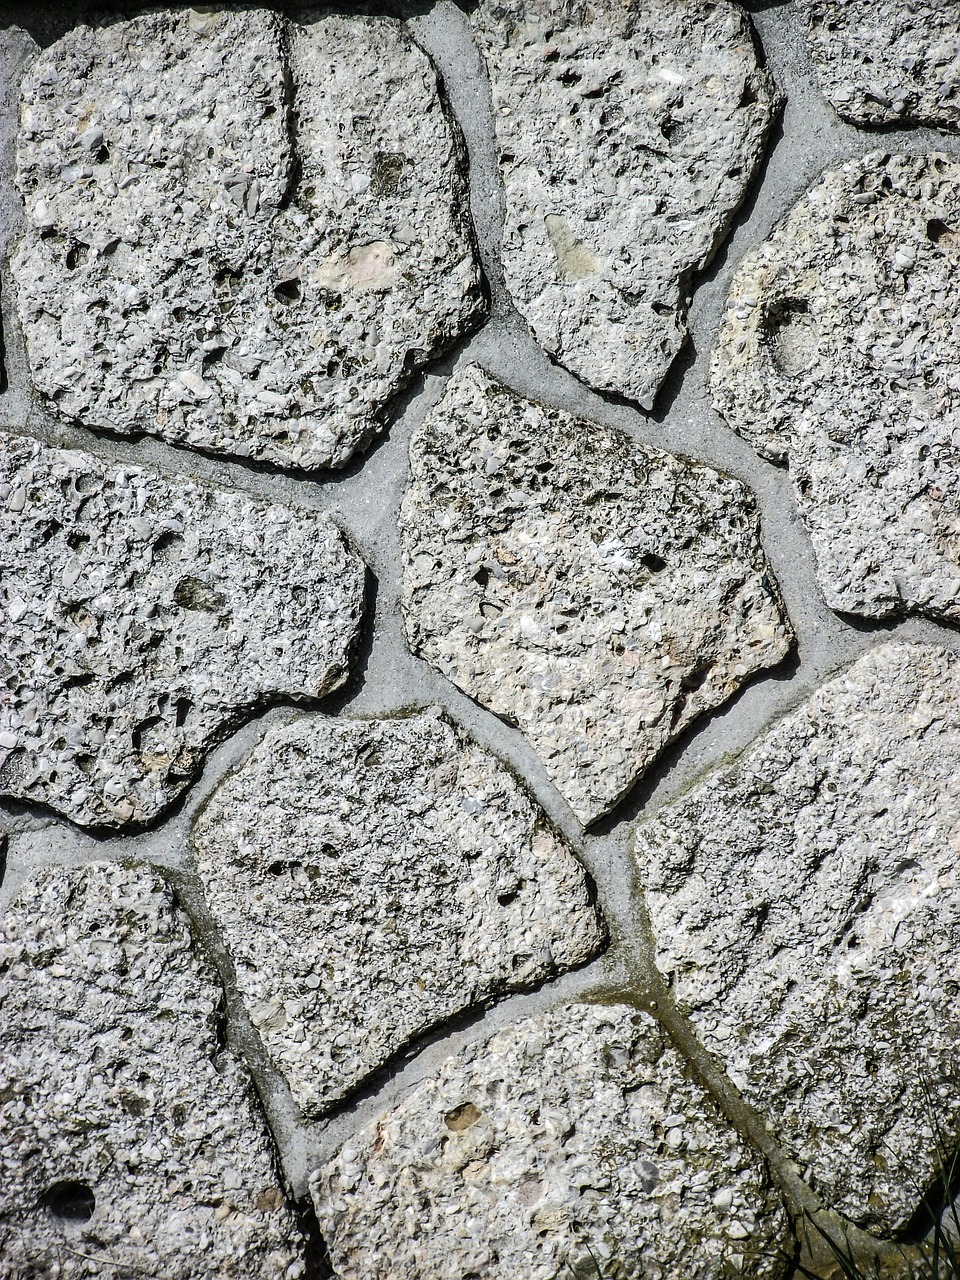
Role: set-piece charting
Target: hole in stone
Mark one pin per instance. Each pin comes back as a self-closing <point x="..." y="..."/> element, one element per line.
<point x="287" y="292"/>
<point x="792" y="335"/>
<point x="570" y="78"/>
<point x="462" y="1117"/>
<point x="693" y="680"/>
<point x="653" y="562"/>
<point x="102" y="154"/>
<point x="482" y="577"/>
<point x="70" y="1199"/>
<point x="76" y="254"/>
<point x="182" y="708"/>
<point x="749" y="96"/>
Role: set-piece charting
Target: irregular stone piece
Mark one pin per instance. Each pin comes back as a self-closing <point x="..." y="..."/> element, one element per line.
<point x="840" y="349"/>
<point x="806" y="910"/>
<point x="595" y="593"/>
<point x="888" y="61"/>
<point x="130" y="1142"/>
<point x="142" y="617"/>
<point x="572" y="1143"/>
<point x="628" y="132"/>
<point x="243" y="232"/>
<point x="371" y="878"/>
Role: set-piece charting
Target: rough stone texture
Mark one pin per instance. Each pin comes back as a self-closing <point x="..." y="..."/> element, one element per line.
<point x="373" y="877"/>
<point x="129" y="1139"/>
<point x="142" y="617"/>
<point x="806" y="909"/>
<point x="570" y="1144"/>
<point x="598" y="594"/>
<point x="628" y="131"/>
<point x="886" y="61"/>
<point x="862" y="279"/>
<point x="243" y="233"/>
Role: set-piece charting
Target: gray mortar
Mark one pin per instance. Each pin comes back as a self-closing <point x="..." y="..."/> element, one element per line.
<point x="365" y="501"/>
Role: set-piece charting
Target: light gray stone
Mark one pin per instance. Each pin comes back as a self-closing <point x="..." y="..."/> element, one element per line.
<point x="888" y="61"/>
<point x="130" y="1143"/>
<point x="628" y="132"/>
<point x="574" y="1144"/>
<point x="143" y="617"/>
<point x="840" y="349"/>
<point x="598" y="594"/>
<point x="243" y="232"/>
<point x="805" y="904"/>
<point x="371" y="878"/>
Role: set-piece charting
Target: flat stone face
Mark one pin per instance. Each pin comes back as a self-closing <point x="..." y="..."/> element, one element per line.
<point x="627" y="134"/>
<point x="805" y="904"/>
<point x="841" y="350"/>
<point x="597" y="594"/>
<point x="888" y="61"/>
<point x="243" y="233"/>
<point x="371" y="878"/>
<point x="129" y="1138"/>
<point x="572" y="1143"/>
<point x="142" y="617"/>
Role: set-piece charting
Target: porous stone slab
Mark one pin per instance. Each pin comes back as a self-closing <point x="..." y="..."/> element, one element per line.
<point x="805" y="904"/>
<point x="597" y="594"/>
<point x="839" y="350"/>
<point x="572" y="1143"/>
<point x="243" y="232"/>
<point x="371" y="878"/>
<point x="142" y="617"/>
<point x="888" y="61"/>
<point x="130" y="1142"/>
<point x="627" y="135"/>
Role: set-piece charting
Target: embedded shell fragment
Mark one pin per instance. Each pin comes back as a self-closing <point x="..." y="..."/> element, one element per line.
<point x="373" y="877"/>
<point x="595" y="593"/>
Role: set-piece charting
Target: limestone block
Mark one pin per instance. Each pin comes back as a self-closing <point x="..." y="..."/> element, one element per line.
<point x="130" y="1142"/>
<point x="143" y="617"/>
<point x="572" y="1143"/>
<point x="627" y="132"/>
<point x="805" y="903"/>
<point x="371" y="878"/>
<point x="243" y="232"/>
<point x="597" y="594"/>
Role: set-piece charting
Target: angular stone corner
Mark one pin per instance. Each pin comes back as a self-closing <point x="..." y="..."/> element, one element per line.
<point x="887" y="61"/>
<point x="627" y="134"/>
<point x="371" y="878"/>
<point x="597" y="594"/>
<point x="243" y="232"/>
<point x="572" y="1143"/>
<point x="143" y="617"/>
<point x="805" y="904"/>
<point x="130" y="1141"/>
<point x="839" y="350"/>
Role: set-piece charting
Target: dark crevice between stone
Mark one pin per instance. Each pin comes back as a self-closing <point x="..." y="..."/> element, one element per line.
<point x="316" y="1253"/>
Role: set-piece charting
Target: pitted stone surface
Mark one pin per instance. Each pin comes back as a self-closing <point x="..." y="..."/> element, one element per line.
<point x="371" y="878"/>
<point x="627" y="136"/>
<point x="243" y="233"/>
<point x="142" y="617"/>
<point x="886" y="61"/>
<point x="805" y="904"/>
<point x="841" y="349"/>
<point x="129" y="1138"/>
<point x="595" y="593"/>
<point x="572" y="1143"/>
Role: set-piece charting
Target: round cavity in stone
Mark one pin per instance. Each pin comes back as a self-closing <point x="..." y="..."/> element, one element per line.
<point x="70" y="1199"/>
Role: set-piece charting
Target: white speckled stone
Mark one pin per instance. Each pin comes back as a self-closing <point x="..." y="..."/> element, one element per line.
<point x="371" y="878"/>
<point x="598" y="594"/>
<point x="130" y="1142"/>
<point x="142" y="617"/>
<point x="570" y="1144"/>
<point x="243" y="233"/>
<point x="840" y="349"/>
<point x="628" y="131"/>
<point x="805" y="903"/>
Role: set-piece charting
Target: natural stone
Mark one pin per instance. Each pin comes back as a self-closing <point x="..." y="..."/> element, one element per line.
<point x="130" y="1143"/>
<point x="888" y="61"/>
<point x="598" y="594"/>
<point x="572" y="1143"/>
<point x="805" y="904"/>
<point x="627" y="132"/>
<point x="839" y="350"/>
<point x="371" y="878"/>
<point x="143" y="617"/>
<point x="243" y="234"/>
